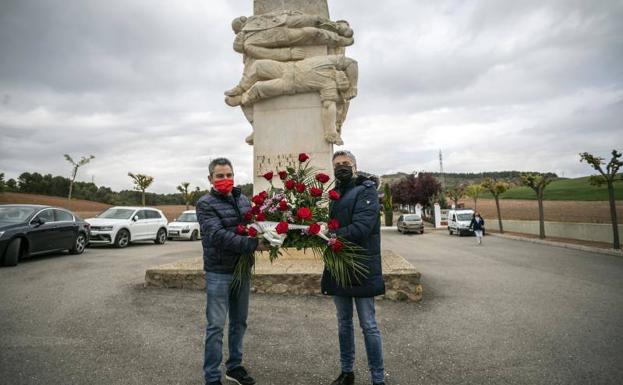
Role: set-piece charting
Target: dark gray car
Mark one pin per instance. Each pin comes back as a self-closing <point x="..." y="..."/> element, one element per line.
<point x="28" y="230"/>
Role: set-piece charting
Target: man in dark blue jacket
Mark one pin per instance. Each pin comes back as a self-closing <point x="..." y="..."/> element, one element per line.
<point x="357" y="212"/>
<point x="219" y="213"/>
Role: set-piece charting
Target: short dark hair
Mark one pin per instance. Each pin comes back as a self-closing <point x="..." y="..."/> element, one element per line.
<point x="219" y="162"/>
<point x="345" y="153"/>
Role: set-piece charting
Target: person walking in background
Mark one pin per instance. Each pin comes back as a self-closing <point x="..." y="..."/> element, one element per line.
<point x="478" y="225"/>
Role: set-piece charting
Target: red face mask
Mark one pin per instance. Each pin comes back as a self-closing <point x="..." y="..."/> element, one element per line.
<point x="224" y="186"/>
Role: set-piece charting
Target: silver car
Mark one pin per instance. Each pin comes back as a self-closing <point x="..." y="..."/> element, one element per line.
<point x="410" y="223"/>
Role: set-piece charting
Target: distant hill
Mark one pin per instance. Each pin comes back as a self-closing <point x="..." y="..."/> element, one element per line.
<point x="453" y="178"/>
<point x="572" y="189"/>
<point x="83" y="208"/>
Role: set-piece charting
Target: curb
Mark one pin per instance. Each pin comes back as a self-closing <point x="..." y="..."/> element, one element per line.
<point x="562" y="244"/>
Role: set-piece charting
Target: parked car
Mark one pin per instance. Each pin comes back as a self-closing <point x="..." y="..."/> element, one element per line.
<point x="459" y="221"/>
<point x="185" y="226"/>
<point x="410" y="223"/>
<point x="121" y="225"/>
<point x="28" y="230"/>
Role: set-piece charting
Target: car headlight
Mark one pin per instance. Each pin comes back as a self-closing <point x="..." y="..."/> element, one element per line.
<point x="106" y="228"/>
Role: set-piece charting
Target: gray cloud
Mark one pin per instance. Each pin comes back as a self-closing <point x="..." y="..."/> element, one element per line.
<point x="495" y="85"/>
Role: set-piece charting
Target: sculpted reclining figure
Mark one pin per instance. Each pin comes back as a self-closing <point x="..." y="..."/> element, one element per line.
<point x="276" y="36"/>
<point x="333" y="76"/>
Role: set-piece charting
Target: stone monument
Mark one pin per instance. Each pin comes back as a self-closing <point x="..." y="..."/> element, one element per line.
<point x="296" y="84"/>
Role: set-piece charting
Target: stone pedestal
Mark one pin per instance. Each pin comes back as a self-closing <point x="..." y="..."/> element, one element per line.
<point x="284" y="127"/>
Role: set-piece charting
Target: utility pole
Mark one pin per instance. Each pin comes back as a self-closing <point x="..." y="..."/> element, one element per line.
<point x="443" y="177"/>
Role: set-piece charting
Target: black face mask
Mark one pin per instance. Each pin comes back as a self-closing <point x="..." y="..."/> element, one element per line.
<point x="343" y="173"/>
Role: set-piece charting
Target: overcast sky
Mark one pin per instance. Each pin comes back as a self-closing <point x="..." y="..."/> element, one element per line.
<point x="496" y="85"/>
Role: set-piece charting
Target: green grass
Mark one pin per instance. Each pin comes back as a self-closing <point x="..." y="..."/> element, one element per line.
<point x="577" y="189"/>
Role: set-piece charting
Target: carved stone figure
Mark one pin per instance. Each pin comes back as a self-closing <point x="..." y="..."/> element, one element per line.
<point x="333" y="76"/>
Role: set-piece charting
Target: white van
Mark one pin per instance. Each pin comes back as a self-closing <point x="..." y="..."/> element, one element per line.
<point x="459" y="221"/>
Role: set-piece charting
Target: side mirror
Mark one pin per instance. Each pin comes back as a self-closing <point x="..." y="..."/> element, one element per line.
<point x="135" y="218"/>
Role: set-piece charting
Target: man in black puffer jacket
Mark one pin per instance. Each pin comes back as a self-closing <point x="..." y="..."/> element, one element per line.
<point x="357" y="211"/>
<point x="219" y="213"/>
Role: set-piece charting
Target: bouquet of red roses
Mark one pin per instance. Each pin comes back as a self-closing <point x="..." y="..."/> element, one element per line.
<point x="297" y="216"/>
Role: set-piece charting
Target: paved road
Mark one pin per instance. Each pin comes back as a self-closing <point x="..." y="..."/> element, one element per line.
<point x="505" y="313"/>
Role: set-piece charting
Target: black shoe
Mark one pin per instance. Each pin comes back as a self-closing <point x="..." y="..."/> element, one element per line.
<point x="345" y="379"/>
<point x="380" y="383"/>
<point x="240" y="376"/>
<point x="214" y="383"/>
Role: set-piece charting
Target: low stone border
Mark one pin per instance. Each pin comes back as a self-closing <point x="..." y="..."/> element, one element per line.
<point x="296" y="274"/>
<point x="572" y="246"/>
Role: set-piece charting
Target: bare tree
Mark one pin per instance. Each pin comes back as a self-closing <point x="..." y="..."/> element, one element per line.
<point x="141" y="183"/>
<point x="473" y="191"/>
<point x="538" y="183"/>
<point x="607" y="177"/>
<point x="497" y="188"/>
<point x="455" y="193"/>
<point x="75" y="166"/>
<point x="187" y="195"/>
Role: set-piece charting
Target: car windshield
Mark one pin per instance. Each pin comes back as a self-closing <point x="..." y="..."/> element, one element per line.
<point x="117" y="214"/>
<point x="187" y="217"/>
<point x="464" y="217"/>
<point x="412" y="218"/>
<point x="15" y="214"/>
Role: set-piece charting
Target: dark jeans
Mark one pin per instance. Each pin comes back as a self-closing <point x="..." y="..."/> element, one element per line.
<point x="371" y="334"/>
<point x="221" y="300"/>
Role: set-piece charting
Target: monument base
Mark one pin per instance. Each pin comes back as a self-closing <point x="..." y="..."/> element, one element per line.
<point x="295" y="273"/>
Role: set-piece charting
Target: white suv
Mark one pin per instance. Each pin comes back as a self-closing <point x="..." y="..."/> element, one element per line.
<point x="185" y="226"/>
<point x="121" y="225"/>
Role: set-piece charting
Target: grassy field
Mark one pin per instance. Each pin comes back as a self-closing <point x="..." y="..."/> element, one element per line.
<point x="566" y="190"/>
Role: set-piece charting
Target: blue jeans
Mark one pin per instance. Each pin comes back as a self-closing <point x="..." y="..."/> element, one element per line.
<point x="371" y="334"/>
<point x="221" y="300"/>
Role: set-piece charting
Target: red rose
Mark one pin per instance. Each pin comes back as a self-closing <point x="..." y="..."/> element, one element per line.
<point x="303" y="157"/>
<point x="282" y="228"/>
<point x="334" y="195"/>
<point x="268" y="176"/>
<point x="304" y="213"/>
<point x="322" y="178"/>
<point x="315" y="192"/>
<point x="283" y="205"/>
<point x="290" y="184"/>
<point x="248" y="216"/>
<point x="313" y="229"/>
<point x="283" y="175"/>
<point x="240" y="229"/>
<point x="261" y="217"/>
<point x="255" y="210"/>
<point x="336" y="245"/>
<point x="333" y="224"/>
<point x="263" y="194"/>
<point x="252" y="232"/>
<point x="258" y="200"/>
<point x="300" y="187"/>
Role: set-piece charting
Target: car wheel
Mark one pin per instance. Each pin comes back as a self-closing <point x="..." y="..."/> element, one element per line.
<point x="79" y="244"/>
<point x="449" y="231"/>
<point x="122" y="239"/>
<point x="194" y="235"/>
<point x="11" y="255"/>
<point x="161" y="237"/>
<point x="422" y="231"/>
